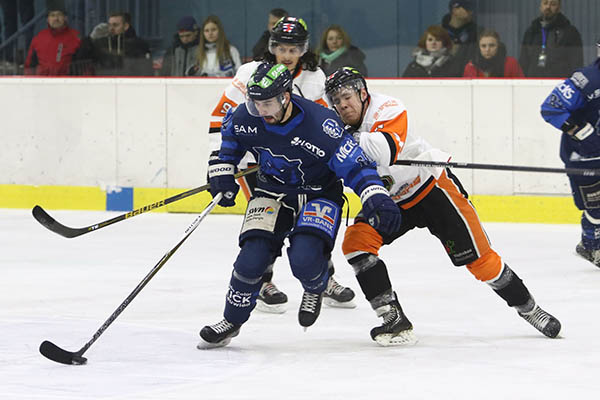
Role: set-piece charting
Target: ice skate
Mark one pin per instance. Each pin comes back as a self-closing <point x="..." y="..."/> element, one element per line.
<point x="336" y="295"/>
<point x="396" y="329"/>
<point x="309" y="308"/>
<point x="271" y="300"/>
<point x="541" y="320"/>
<point x="592" y="256"/>
<point x="218" y="335"/>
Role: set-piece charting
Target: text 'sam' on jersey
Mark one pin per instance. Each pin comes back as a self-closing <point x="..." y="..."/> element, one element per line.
<point x="306" y="155"/>
<point x="577" y="99"/>
<point x="307" y="84"/>
<point x="386" y="136"/>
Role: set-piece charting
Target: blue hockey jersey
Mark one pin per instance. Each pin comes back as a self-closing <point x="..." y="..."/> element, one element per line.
<point x="307" y="154"/>
<point x="578" y="100"/>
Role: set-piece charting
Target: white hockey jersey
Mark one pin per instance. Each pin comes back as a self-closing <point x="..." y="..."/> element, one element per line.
<point x="308" y="84"/>
<point x="386" y="136"/>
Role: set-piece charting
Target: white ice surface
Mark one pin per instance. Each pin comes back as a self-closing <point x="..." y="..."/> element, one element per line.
<point x="471" y="345"/>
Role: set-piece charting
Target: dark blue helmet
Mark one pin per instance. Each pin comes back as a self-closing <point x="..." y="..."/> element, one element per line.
<point x="268" y="82"/>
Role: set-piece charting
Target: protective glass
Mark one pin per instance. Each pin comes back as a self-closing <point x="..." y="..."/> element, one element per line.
<point x="282" y="49"/>
<point x="265" y="108"/>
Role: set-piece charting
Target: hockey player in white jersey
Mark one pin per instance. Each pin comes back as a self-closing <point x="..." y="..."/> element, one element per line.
<point x="288" y="45"/>
<point x="429" y="197"/>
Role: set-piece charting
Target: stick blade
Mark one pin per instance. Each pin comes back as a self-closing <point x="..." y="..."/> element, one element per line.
<point x="56" y="354"/>
<point x="50" y="223"/>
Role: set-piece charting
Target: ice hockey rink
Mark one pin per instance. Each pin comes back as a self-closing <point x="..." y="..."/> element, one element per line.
<point x="471" y="345"/>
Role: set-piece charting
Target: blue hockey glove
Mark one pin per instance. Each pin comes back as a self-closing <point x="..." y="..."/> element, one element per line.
<point x="586" y="139"/>
<point x="220" y="177"/>
<point x="380" y="211"/>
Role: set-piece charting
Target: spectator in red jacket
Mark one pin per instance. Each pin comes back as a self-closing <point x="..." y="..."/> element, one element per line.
<point x="491" y="60"/>
<point x="52" y="49"/>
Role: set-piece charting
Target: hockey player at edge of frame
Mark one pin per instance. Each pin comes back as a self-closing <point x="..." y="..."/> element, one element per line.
<point x="303" y="155"/>
<point x="573" y="106"/>
<point x="429" y="197"/>
<point x="288" y="45"/>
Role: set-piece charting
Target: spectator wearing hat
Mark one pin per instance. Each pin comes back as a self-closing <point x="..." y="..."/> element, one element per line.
<point x="460" y="25"/>
<point x="551" y="46"/>
<point x="51" y="51"/>
<point x="182" y="54"/>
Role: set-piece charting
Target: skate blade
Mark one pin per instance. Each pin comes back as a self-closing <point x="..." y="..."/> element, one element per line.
<point x="271" y="308"/>
<point x="405" y="338"/>
<point x="338" y="304"/>
<point x="203" y="345"/>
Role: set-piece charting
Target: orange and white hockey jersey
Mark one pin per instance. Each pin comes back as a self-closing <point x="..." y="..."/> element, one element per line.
<point x="308" y="84"/>
<point x="386" y="136"/>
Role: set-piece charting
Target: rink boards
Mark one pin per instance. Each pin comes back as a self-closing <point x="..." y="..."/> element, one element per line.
<point x="120" y="144"/>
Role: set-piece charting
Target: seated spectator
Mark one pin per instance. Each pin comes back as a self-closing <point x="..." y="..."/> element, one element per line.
<point x="463" y="31"/>
<point x="335" y="51"/>
<point x="551" y="46"/>
<point x="52" y="49"/>
<point x="491" y="60"/>
<point x="120" y="53"/>
<point x="182" y="53"/>
<point x="260" y="47"/>
<point x="215" y="56"/>
<point x="432" y="57"/>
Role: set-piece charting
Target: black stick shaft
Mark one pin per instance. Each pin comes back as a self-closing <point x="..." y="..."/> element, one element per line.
<point x="150" y="275"/>
<point x="569" y="171"/>
<point x="49" y="222"/>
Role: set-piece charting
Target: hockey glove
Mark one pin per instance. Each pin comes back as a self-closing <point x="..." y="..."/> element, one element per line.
<point x="221" y="179"/>
<point x="586" y="138"/>
<point x="380" y="211"/>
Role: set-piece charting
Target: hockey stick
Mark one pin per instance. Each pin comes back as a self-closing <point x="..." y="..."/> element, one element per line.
<point x="569" y="171"/>
<point x="45" y="219"/>
<point x="59" y="355"/>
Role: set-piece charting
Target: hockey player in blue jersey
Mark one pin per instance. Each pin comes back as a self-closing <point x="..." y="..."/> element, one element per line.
<point x="303" y="154"/>
<point x="574" y="108"/>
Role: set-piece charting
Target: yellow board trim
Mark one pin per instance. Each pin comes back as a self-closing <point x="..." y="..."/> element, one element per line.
<point x="526" y="209"/>
<point x="53" y="197"/>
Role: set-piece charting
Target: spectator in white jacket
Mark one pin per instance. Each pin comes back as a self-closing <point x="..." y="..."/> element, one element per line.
<point x="216" y="57"/>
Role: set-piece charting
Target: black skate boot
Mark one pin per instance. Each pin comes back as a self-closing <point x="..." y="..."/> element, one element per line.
<point x="592" y="256"/>
<point x="336" y="295"/>
<point x="270" y="299"/>
<point x="396" y="329"/>
<point x="218" y="335"/>
<point x="539" y="319"/>
<point x="309" y="308"/>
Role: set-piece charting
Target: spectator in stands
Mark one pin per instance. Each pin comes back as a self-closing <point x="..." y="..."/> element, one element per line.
<point x="182" y="53"/>
<point x="121" y="53"/>
<point x="463" y="31"/>
<point x="551" y="46"/>
<point x="11" y="9"/>
<point x="432" y="57"/>
<point x="215" y="56"/>
<point x="52" y="50"/>
<point x="262" y="45"/>
<point x="335" y="51"/>
<point x="491" y="60"/>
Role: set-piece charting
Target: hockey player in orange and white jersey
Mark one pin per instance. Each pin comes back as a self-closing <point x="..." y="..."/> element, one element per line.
<point x="288" y="45"/>
<point x="429" y="197"/>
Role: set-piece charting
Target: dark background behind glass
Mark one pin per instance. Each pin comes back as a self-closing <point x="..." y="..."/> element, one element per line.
<point x="385" y="30"/>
